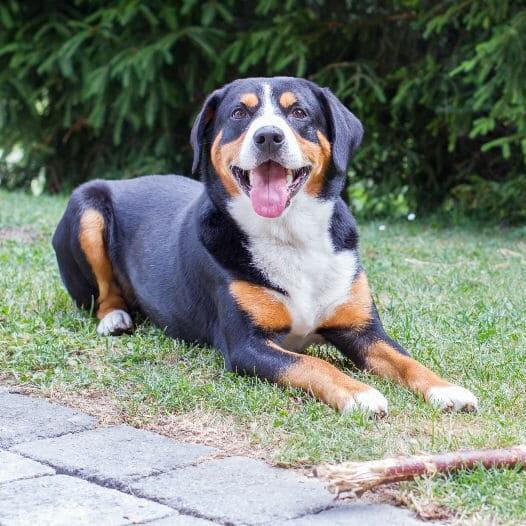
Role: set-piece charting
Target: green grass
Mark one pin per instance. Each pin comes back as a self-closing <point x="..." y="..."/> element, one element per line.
<point x="454" y="296"/>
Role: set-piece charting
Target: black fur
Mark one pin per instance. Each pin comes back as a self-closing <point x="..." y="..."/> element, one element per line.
<point x="175" y="249"/>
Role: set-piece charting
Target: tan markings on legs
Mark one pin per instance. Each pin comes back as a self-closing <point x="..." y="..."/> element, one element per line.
<point x="385" y="361"/>
<point x="91" y="238"/>
<point x="263" y="308"/>
<point x="319" y="155"/>
<point x="287" y="99"/>
<point x="249" y="99"/>
<point x="324" y="381"/>
<point x="355" y="313"/>
<point x="222" y="157"/>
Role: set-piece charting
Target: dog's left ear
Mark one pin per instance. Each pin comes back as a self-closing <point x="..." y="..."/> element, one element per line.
<point x="201" y="123"/>
<point x="345" y="130"/>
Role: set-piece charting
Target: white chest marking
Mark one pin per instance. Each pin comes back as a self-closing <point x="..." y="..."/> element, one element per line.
<point x="295" y="253"/>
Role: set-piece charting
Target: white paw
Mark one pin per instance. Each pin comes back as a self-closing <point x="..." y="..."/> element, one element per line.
<point x="115" y="322"/>
<point x="370" y="401"/>
<point x="452" y="398"/>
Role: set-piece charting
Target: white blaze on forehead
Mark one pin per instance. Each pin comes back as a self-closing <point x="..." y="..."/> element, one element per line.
<point x="267" y="107"/>
<point x="290" y="154"/>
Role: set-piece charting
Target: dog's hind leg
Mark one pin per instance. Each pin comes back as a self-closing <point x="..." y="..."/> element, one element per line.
<point x="111" y="307"/>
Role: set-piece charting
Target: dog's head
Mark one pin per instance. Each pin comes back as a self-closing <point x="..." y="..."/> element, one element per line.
<point x="267" y="139"/>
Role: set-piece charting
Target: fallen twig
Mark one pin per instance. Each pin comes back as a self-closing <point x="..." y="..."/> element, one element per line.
<point x="356" y="477"/>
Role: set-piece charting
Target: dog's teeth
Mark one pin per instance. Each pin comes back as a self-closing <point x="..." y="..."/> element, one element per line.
<point x="290" y="177"/>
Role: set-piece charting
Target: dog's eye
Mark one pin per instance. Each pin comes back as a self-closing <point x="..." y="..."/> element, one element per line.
<point x="239" y="113"/>
<point x="298" y="113"/>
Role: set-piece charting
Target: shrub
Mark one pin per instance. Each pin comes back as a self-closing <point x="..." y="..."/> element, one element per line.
<point x="91" y="88"/>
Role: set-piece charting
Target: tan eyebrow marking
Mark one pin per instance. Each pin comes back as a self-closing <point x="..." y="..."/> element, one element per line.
<point x="249" y="99"/>
<point x="287" y="99"/>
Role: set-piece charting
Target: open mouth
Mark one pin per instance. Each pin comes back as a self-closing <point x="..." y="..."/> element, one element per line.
<point x="270" y="186"/>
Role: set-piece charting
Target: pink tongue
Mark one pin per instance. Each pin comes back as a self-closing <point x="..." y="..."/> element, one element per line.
<point x="269" y="189"/>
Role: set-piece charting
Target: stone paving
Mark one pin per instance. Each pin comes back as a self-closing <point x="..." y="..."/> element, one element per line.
<point x="57" y="467"/>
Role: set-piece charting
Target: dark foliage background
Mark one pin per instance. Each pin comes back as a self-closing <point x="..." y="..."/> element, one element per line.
<point x="109" y="89"/>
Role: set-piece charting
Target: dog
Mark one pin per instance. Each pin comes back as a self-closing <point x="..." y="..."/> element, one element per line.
<point x="259" y="260"/>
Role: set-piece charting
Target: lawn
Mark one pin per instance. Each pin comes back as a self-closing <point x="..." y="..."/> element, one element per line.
<point x="454" y="296"/>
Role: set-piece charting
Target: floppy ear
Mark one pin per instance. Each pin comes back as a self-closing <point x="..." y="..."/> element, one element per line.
<point x="346" y="131"/>
<point x="203" y="119"/>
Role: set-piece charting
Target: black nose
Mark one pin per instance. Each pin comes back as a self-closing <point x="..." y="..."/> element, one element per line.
<point x="269" y="139"/>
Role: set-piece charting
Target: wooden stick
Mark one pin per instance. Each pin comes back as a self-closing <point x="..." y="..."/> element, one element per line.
<point x="357" y="477"/>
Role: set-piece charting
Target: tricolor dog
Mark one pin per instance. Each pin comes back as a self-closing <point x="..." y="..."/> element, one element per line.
<point x="259" y="259"/>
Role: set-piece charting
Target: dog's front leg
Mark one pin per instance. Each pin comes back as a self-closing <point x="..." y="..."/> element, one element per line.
<point x="358" y="333"/>
<point x="266" y="359"/>
<point x="250" y="347"/>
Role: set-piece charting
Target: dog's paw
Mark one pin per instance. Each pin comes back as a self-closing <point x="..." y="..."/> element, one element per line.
<point x="452" y="398"/>
<point x="114" y="323"/>
<point x="369" y="401"/>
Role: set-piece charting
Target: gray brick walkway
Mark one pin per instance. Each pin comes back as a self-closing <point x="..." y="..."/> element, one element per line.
<point x="23" y="418"/>
<point x="58" y="468"/>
